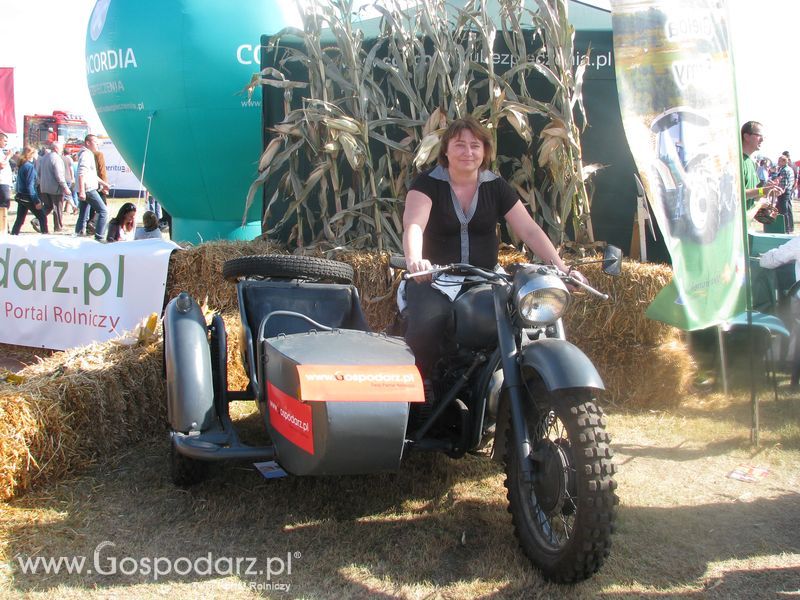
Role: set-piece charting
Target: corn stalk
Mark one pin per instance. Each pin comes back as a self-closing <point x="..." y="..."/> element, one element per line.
<point x="362" y="119"/>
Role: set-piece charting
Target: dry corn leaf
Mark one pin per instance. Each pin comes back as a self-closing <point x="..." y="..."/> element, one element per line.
<point x="269" y="153"/>
<point x="428" y="147"/>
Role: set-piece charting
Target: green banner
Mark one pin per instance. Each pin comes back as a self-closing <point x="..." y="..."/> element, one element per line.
<point x="677" y="98"/>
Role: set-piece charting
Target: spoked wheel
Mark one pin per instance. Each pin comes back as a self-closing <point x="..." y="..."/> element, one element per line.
<point x="564" y="517"/>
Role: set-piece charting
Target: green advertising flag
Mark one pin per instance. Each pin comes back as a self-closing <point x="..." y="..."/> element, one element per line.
<point x="677" y="98"/>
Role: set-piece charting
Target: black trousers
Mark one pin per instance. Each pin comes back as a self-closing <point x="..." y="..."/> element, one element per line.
<point x="429" y="314"/>
<point x="784" y="206"/>
<point x="22" y="212"/>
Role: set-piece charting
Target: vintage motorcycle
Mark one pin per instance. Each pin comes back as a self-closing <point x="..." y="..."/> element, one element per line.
<point x="339" y="399"/>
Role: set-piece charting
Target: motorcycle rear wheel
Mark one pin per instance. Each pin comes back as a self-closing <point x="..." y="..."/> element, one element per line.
<point x="564" y="518"/>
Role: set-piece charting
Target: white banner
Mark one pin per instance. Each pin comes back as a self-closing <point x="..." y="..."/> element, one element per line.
<point x="59" y="292"/>
<point x="118" y="173"/>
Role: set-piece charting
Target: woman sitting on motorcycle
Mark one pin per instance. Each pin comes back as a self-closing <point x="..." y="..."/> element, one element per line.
<point x="451" y="216"/>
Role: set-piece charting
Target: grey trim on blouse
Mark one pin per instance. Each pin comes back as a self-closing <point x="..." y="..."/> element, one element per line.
<point x="441" y="173"/>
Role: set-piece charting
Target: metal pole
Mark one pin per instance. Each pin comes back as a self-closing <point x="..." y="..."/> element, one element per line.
<point x="723" y="362"/>
<point x="755" y="436"/>
<point x="146" y="146"/>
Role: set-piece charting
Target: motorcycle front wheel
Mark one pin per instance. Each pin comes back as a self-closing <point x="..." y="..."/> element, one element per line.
<point x="564" y="518"/>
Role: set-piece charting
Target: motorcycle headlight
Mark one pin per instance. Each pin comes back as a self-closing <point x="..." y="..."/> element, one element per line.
<point x="541" y="299"/>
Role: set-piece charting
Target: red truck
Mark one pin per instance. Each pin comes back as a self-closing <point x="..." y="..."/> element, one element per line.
<point x="68" y="128"/>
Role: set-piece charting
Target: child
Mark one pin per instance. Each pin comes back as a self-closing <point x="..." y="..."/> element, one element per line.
<point x="150" y="229"/>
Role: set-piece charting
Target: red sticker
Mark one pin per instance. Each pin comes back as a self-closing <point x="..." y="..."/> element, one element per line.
<point x="360" y="383"/>
<point x="291" y="418"/>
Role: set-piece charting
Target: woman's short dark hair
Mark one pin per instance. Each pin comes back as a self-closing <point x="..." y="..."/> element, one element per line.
<point x="471" y="124"/>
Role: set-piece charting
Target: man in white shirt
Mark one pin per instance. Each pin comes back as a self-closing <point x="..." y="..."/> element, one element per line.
<point x="772" y="259"/>
<point x="88" y="185"/>
<point x="5" y="182"/>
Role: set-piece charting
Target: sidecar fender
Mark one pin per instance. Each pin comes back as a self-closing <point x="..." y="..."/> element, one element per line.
<point x="187" y="358"/>
<point x="561" y="365"/>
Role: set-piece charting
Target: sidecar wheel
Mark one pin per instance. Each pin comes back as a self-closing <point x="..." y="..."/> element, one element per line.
<point x="185" y="472"/>
<point x="288" y="266"/>
<point x="564" y="518"/>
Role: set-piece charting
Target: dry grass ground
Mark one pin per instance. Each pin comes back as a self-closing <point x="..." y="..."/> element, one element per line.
<point x="437" y="529"/>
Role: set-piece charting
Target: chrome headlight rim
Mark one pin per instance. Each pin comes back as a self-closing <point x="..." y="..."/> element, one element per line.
<point x="553" y="293"/>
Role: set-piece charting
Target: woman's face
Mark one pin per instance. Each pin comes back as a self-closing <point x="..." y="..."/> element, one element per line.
<point x="465" y="152"/>
<point x="129" y="220"/>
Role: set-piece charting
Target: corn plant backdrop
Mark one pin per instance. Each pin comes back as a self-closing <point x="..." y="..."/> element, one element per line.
<point x="363" y="116"/>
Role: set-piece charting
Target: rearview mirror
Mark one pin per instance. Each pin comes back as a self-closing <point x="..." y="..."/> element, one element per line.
<point x="612" y="260"/>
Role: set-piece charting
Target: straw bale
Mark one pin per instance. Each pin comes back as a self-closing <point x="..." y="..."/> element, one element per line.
<point x="377" y="286"/>
<point x="642" y="376"/>
<point x="198" y="270"/>
<point x="237" y="376"/>
<point x="620" y="319"/>
<point x="75" y="406"/>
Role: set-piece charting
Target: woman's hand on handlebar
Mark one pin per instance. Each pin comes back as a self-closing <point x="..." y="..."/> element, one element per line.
<point x="415" y="266"/>
<point x="578" y="276"/>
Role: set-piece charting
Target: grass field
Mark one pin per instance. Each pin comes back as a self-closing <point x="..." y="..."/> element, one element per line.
<point x="437" y="529"/>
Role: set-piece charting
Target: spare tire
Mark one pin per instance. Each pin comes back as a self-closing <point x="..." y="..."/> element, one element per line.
<point x="288" y="266"/>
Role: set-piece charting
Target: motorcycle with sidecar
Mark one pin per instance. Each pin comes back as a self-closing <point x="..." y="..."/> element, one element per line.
<point x="339" y="399"/>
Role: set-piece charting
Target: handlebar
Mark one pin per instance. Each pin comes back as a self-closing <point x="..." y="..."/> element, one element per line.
<point x="456" y="267"/>
<point x="492" y="276"/>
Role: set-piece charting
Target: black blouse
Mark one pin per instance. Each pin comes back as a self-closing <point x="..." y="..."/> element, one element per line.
<point x="452" y="236"/>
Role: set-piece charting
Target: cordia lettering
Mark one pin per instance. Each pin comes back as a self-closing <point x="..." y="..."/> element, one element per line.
<point x="110" y="60"/>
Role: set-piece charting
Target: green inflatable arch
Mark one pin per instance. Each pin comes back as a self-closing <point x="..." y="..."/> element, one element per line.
<point x="166" y="79"/>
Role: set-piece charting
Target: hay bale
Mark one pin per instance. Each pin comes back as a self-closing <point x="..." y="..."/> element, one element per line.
<point x="198" y="271"/>
<point x="643" y="362"/>
<point x="643" y="376"/>
<point x="377" y="285"/>
<point x="237" y="376"/>
<point x="75" y="406"/>
<point x="20" y="425"/>
<point x="620" y="319"/>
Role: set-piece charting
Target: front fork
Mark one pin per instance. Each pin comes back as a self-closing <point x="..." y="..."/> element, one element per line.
<point x="512" y="381"/>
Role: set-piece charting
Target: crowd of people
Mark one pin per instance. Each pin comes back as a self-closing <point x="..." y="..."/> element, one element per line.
<point x="776" y="183"/>
<point x="54" y="181"/>
<point x="767" y="184"/>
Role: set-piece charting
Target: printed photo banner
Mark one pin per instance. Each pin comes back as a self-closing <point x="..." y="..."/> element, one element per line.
<point x="61" y="292"/>
<point x="677" y="98"/>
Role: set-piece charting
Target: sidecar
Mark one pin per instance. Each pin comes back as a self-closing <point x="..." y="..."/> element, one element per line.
<point x="333" y="396"/>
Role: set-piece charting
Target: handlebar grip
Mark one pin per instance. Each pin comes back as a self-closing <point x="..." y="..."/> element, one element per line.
<point x="397" y="262"/>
